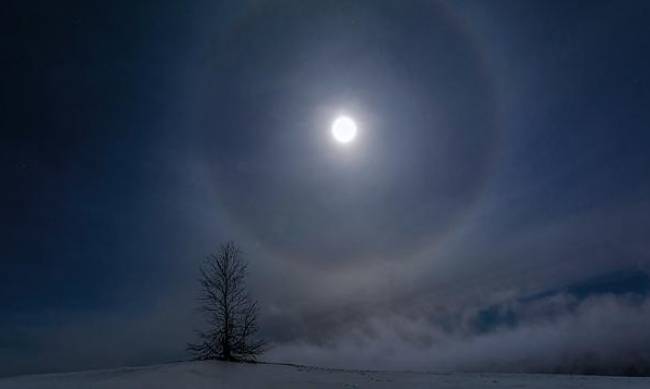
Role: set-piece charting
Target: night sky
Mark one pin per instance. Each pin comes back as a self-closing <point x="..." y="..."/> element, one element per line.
<point x="492" y="213"/>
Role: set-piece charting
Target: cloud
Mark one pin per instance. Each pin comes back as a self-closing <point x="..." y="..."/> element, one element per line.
<point x="606" y="334"/>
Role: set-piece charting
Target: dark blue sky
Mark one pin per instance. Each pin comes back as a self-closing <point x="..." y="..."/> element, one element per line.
<point x="502" y="154"/>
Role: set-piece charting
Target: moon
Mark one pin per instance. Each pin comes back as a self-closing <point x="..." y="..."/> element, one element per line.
<point x="344" y="129"/>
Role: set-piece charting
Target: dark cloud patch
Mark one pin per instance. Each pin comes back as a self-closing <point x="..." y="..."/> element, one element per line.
<point x="631" y="284"/>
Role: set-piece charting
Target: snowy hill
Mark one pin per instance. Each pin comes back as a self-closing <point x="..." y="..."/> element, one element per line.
<point x="215" y="375"/>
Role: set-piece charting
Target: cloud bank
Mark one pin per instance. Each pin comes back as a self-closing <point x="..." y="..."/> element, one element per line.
<point x="605" y="334"/>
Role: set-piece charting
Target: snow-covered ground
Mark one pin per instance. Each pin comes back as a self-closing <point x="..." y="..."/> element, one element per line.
<point x="215" y="375"/>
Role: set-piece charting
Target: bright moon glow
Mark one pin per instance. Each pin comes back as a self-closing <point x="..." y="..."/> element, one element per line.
<point x="344" y="129"/>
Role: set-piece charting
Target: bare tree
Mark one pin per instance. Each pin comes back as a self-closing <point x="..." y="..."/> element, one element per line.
<point x="230" y="312"/>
